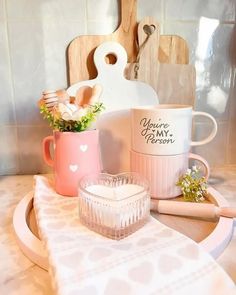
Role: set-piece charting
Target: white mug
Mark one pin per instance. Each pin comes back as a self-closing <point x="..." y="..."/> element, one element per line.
<point x="163" y="172"/>
<point x="165" y="129"/>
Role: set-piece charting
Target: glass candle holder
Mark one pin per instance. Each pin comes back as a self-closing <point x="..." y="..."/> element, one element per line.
<point x="114" y="206"/>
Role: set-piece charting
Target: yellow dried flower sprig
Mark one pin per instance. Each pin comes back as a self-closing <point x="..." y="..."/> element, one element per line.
<point x="193" y="185"/>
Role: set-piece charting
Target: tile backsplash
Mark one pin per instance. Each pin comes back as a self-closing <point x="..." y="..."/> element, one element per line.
<point x="34" y="36"/>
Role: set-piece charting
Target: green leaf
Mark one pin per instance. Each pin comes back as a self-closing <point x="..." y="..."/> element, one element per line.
<point x="72" y="126"/>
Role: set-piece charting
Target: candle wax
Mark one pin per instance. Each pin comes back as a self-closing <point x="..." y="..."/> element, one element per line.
<point x="120" y="214"/>
<point x="115" y="193"/>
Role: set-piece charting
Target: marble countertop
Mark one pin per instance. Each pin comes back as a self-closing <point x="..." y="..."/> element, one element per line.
<point x="20" y="276"/>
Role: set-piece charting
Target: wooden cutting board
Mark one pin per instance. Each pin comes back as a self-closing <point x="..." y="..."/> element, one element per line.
<point x="118" y="96"/>
<point x="173" y="49"/>
<point x="174" y="83"/>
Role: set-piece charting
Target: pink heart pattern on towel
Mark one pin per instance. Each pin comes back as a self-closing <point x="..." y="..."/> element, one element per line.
<point x="69" y="259"/>
<point x="153" y="260"/>
<point x="190" y="251"/>
<point x="117" y="287"/>
<point x="99" y="253"/>
<point x="138" y="274"/>
<point x="168" y="263"/>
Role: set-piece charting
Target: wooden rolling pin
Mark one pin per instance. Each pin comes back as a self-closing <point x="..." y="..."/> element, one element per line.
<point x="202" y="210"/>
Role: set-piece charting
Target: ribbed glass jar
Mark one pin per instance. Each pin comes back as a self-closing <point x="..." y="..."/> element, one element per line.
<point x="114" y="206"/>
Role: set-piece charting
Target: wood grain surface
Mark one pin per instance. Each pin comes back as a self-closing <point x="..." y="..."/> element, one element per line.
<point x="195" y="228"/>
<point x="174" y="83"/>
<point x="173" y="49"/>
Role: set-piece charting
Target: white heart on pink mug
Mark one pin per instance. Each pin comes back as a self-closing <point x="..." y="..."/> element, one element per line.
<point x="83" y="147"/>
<point x="73" y="168"/>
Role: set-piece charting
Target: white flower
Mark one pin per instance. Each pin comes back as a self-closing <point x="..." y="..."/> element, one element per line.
<point x="195" y="168"/>
<point x="185" y="183"/>
<point x="71" y="111"/>
<point x="188" y="172"/>
<point x="79" y="114"/>
<point x="71" y="106"/>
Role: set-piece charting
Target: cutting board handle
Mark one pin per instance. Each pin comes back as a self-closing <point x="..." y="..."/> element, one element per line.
<point x="148" y="43"/>
<point x="148" y="24"/>
<point x="128" y="15"/>
<point x="106" y="69"/>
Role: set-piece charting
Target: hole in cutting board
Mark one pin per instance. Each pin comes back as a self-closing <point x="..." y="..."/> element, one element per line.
<point x="149" y="29"/>
<point x="110" y="58"/>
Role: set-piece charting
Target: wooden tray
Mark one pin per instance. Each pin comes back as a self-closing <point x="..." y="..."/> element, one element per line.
<point x="213" y="236"/>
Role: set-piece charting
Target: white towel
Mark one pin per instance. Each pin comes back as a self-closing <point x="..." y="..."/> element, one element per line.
<point x="153" y="260"/>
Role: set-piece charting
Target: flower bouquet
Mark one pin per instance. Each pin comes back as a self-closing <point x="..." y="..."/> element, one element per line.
<point x="75" y="143"/>
<point x="71" y="114"/>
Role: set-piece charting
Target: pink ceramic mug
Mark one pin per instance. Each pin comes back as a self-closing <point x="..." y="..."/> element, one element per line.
<point x="75" y="155"/>
<point x="163" y="172"/>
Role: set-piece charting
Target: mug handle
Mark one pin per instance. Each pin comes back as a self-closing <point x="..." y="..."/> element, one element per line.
<point x="213" y="132"/>
<point x="46" y="150"/>
<point x="203" y="161"/>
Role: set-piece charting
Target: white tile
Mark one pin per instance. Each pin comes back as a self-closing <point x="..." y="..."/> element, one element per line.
<point x="43" y="9"/>
<point x="214" y="74"/>
<point x="38" y="54"/>
<point x="215" y="151"/>
<point x="153" y="8"/>
<point x="6" y="101"/>
<point x="2" y="10"/>
<point x="188" y="31"/>
<point x="103" y="10"/>
<point x="209" y="53"/>
<point x="101" y="28"/>
<point x="194" y="10"/>
<point x="30" y="149"/>
<point x="110" y="10"/>
<point x="8" y="150"/>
